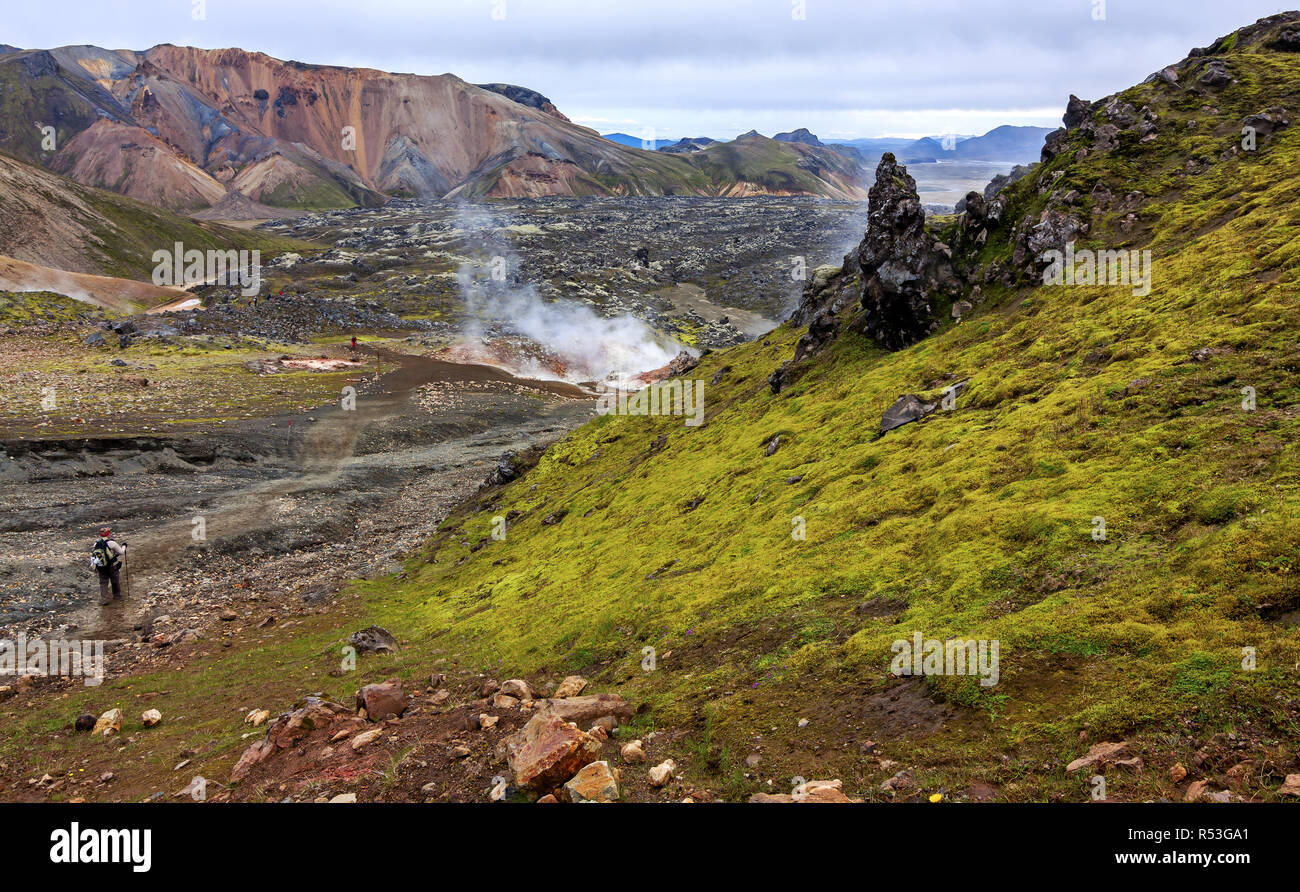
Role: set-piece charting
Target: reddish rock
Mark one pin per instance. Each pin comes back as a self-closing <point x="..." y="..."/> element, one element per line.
<point x="383" y="701"/>
<point x="309" y="714"/>
<point x="550" y="752"/>
<point x="256" y="753"/>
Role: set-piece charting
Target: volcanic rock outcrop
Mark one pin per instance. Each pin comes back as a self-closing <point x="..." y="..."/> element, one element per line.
<point x="902" y="268"/>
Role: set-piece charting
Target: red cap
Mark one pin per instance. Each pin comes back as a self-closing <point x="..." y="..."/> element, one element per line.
<point x="105" y="532"/>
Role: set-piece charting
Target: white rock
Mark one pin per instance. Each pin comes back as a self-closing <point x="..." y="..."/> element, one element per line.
<point x="662" y="773"/>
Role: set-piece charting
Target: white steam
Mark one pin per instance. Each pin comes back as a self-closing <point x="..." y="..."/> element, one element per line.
<point x="589" y="346"/>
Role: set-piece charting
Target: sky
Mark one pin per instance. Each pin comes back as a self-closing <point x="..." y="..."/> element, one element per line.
<point x="673" y="68"/>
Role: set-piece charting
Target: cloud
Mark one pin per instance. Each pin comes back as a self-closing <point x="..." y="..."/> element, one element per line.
<point x="687" y="66"/>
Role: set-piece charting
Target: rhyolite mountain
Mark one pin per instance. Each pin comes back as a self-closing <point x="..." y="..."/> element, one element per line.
<point x="51" y="221"/>
<point x="179" y="127"/>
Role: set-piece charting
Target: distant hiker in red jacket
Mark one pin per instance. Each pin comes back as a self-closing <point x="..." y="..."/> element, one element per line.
<point x="354" y="342"/>
<point x="106" y="558"/>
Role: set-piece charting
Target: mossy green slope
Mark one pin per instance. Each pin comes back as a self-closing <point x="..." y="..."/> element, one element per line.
<point x="1084" y="402"/>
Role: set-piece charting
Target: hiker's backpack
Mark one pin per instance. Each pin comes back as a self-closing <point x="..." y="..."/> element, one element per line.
<point x="100" y="557"/>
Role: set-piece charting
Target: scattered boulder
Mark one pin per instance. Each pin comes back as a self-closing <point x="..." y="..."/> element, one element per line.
<point x="309" y="714"/>
<point x="150" y="717"/>
<point x="365" y="738"/>
<point x="1288" y="41"/>
<point x="572" y="686"/>
<point x="606" y="725"/>
<point x="383" y="701"/>
<point x="1167" y="75"/>
<point x="682" y="363"/>
<point x="374" y="640"/>
<point x="257" y="717"/>
<point x="109" y="723"/>
<point x="1177" y="773"/>
<point x="1215" y="75"/>
<point x="1291" y="786"/>
<point x="1098" y="754"/>
<point x="632" y="752"/>
<point x="518" y="688"/>
<point x="900" y="783"/>
<point x="823" y="791"/>
<point x="507" y="469"/>
<point x="821" y="331"/>
<point x="550" y="752"/>
<point x="662" y="773"/>
<point x="586" y="709"/>
<point x="1267" y="122"/>
<point x="906" y="409"/>
<point x="596" y="782"/>
<point x="781" y="378"/>
<point x="1076" y="112"/>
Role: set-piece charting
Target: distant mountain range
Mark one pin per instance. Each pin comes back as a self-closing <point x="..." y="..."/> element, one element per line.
<point x="636" y="142"/>
<point x="1019" y="145"/>
<point x="1013" y="144"/>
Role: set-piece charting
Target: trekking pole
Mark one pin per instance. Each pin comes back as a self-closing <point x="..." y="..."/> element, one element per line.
<point x="126" y="570"/>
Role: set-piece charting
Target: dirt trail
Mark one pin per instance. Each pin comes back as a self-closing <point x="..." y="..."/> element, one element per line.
<point x="306" y="482"/>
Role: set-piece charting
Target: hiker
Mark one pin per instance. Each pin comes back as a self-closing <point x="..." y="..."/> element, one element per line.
<point x="354" y="342"/>
<point x="106" y="557"/>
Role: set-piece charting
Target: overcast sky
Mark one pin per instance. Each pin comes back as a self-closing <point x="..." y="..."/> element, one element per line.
<point x="842" y="68"/>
